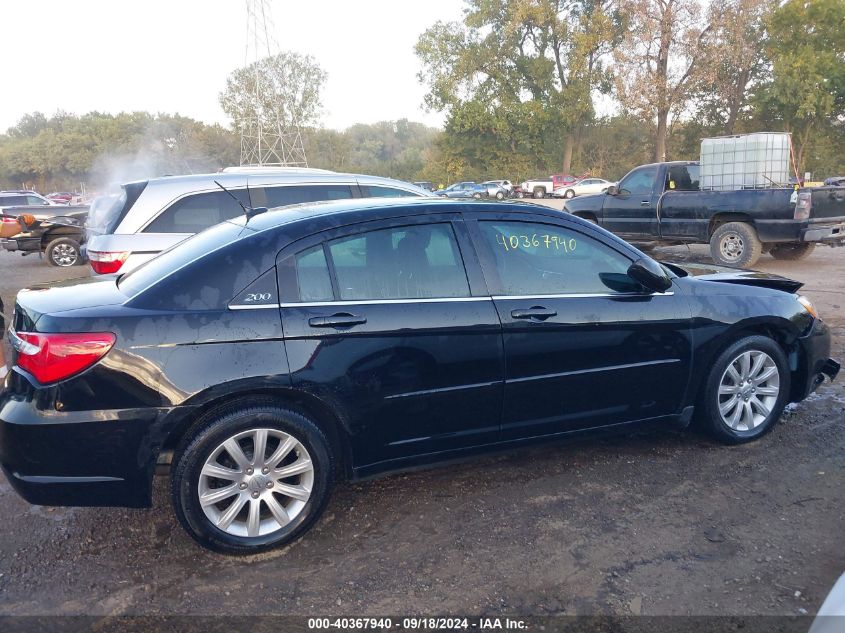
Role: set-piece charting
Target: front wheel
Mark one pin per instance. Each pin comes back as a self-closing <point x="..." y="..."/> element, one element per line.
<point x="792" y="252"/>
<point x="746" y="390"/>
<point x="254" y="477"/>
<point x="735" y="244"/>
<point x="63" y="252"/>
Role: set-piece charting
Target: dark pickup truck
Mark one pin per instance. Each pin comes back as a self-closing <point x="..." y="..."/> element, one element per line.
<point x="56" y="231"/>
<point x="661" y="203"/>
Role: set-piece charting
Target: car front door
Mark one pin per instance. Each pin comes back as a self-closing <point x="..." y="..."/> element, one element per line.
<point x="585" y="345"/>
<point x="632" y="211"/>
<point x="386" y="324"/>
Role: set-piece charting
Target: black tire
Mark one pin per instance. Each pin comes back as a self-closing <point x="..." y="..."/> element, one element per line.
<point x="209" y="433"/>
<point x="500" y="195"/>
<point x="539" y="192"/>
<point x="569" y="194"/>
<point x="792" y="252"/>
<point x="63" y="252"/>
<point x="735" y="244"/>
<point x="477" y="196"/>
<point x="707" y="408"/>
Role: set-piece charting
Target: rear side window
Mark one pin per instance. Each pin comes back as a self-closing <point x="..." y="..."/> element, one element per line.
<point x="377" y="191"/>
<point x="312" y="275"/>
<point x="299" y="194"/>
<point x="683" y="177"/>
<point x="107" y="211"/>
<point x="400" y="263"/>
<point x="197" y="212"/>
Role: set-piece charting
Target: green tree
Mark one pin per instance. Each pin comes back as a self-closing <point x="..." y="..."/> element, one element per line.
<point x="806" y="46"/>
<point x="507" y="53"/>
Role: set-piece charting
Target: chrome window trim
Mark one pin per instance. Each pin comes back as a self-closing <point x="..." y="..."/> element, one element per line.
<point x="241" y="306"/>
<point x="585" y="295"/>
<point x="317" y="304"/>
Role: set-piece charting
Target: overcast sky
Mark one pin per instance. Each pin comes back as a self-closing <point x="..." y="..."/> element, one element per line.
<point x="174" y="55"/>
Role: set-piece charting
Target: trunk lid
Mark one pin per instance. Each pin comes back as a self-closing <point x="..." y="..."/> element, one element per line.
<point x="72" y="294"/>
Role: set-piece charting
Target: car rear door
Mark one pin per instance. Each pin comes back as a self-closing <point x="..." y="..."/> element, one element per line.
<point x="585" y="345"/>
<point x="390" y="324"/>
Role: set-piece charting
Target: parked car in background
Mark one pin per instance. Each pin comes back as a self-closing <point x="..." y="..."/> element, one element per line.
<point x="507" y="185"/>
<point x="143" y="218"/>
<point x="582" y="187"/>
<point x="58" y="237"/>
<point x="835" y="181"/>
<point x="517" y="192"/>
<point x="495" y="190"/>
<point x="465" y="190"/>
<point x="424" y="184"/>
<point x="541" y="187"/>
<point x="272" y="356"/>
<point x="63" y="196"/>
<point x="662" y="203"/>
<point x="22" y="198"/>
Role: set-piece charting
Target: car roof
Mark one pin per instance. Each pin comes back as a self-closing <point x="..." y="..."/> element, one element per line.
<point x="364" y="209"/>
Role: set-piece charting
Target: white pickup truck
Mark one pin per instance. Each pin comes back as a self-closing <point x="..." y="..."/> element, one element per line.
<point x="542" y="187"/>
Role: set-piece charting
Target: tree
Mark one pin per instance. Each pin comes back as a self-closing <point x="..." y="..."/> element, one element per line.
<point x="289" y="86"/>
<point x="509" y="52"/>
<point x="735" y="55"/>
<point x="807" y="87"/>
<point x="659" y="61"/>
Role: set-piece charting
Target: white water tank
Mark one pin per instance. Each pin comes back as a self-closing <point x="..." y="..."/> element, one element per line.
<point x="746" y="161"/>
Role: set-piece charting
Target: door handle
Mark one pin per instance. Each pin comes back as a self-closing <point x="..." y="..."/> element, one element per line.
<point x="534" y="313"/>
<point x="343" y="319"/>
<point x="645" y="202"/>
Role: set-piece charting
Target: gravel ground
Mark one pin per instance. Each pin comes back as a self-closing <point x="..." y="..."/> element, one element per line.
<point x="647" y="523"/>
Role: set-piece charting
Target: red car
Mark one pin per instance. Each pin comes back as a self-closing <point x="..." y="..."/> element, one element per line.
<point x="62" y="196"/>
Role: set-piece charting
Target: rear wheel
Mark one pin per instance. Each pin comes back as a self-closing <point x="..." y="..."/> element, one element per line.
<point x="735" y="244"/>
<point x="254" y="477"/>
<point x="500" y="195"/>
<point x="569" y="194"/>
<point x="792" y="252"/>
<point x="539" y="192"/>
<point x="746" y="390"/>
<point x="63" y="252"/>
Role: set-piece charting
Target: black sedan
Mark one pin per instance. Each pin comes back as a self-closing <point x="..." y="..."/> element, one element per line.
<point x="271" y="356"/>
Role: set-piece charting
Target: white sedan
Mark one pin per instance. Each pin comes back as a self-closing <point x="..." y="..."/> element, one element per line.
<point x="587" y="185"/>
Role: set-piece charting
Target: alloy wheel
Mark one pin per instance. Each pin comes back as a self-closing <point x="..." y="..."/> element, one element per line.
<point x="256" y="482"/>
<point x="748" y="390"/>
<point x="64" y="255"/>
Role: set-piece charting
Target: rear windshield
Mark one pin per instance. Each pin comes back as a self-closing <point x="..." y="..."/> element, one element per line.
<point x="177" y="256"/>
<point x="107" y="211"/>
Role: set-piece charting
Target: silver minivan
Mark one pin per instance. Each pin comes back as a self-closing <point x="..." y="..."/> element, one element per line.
<point x="143" y="218"/>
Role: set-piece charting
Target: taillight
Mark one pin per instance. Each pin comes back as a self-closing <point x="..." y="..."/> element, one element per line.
<point x="803" y="205"/>
<point x="53" y="357"/>
<point x="105" y="262"/>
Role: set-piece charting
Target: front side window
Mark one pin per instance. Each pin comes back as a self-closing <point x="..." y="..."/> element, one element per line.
<point x="416" y="262"/>
<point x="35" y="200"/>
<point x="197" y="212"/>
<point x="544" y="259"/>
<point x="639" y="182"/>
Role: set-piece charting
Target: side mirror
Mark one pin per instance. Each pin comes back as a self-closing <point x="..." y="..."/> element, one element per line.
<point x="650" y="274"/>
<point x="612" y="190"/>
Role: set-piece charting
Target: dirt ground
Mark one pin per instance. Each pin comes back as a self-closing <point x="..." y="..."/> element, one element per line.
<point x="652" y="523"/>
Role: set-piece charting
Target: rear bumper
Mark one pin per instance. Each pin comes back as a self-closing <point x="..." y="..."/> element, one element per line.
<point x="830" y="233"/>
<point x="24" y="244"/>
<point x="82" y="458"/>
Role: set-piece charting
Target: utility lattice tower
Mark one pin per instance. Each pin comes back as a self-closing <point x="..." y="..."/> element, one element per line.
<point x="270" y="133"/>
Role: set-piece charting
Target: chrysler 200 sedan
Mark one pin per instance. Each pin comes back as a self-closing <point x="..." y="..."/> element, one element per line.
<point x="271" y="356"/>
